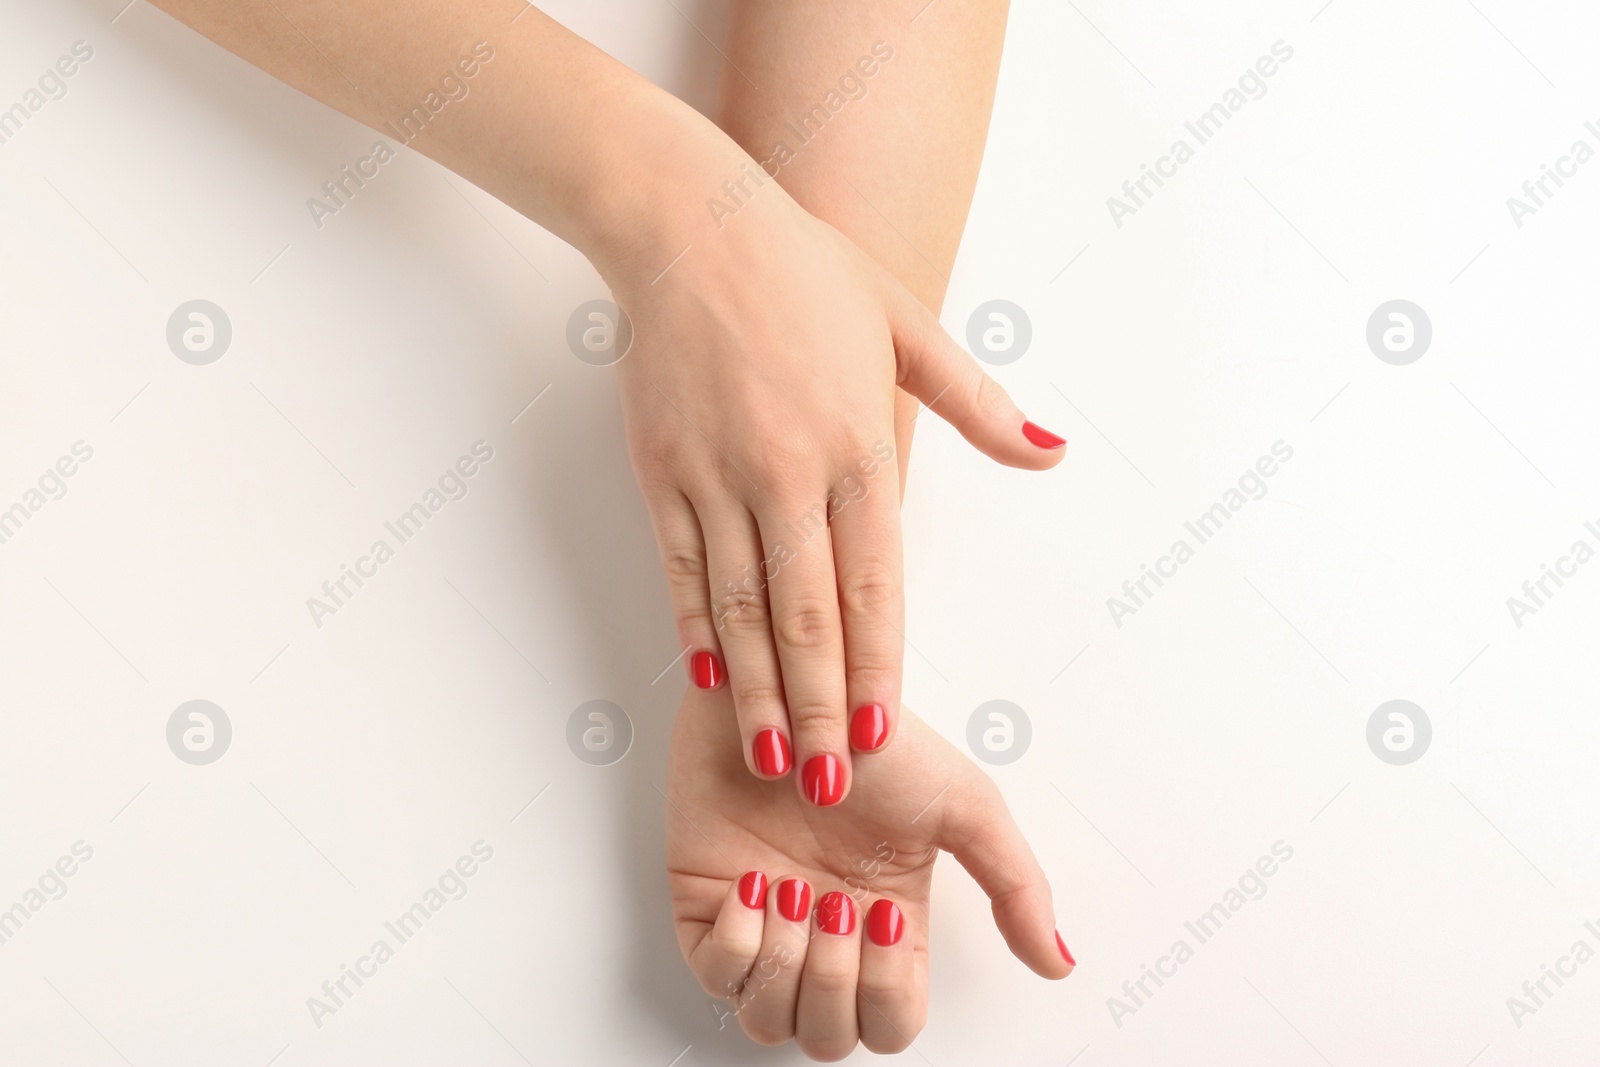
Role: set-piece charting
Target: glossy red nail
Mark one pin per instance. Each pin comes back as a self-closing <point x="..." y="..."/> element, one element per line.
<point x="822" y="779"/>
<point x="705" y="670"/>
<point x="753" y="890"/>
<point x="771" y="752"/>
<point x="869" y="728"/>
<point x="794" y="899"/>
<point x="836" y="914"/>
<point x="1042" y="437"/>
<point x="885" y="924"/>
<point x="1062" y="945"/>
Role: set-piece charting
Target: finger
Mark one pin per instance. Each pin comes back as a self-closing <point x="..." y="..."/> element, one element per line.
<point x="804" y="591"/>
<point x="866" y="551"/>
<point x="723" y="958"/>
<point x="936" y="370"/>
<point x="739" y="605"/>
<point x="767" y="1003"/>
<point x="892" y="1005"/>
<point x="980" y="832"/>
<point x="683" y="558"/>
<point x="825" y="1017"/>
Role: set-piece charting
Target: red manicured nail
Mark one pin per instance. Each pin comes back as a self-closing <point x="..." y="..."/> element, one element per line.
<point x="794" y="899"/>
<point x="705" y="670"/>
<point x="1042" y="437"/>
<point x="836" y="914"/>
<point x="885" y="924"/>
<point x="753" y="890"/>
<point x="771" y="752"/>
<point x="1062" y="945"/>
<point x="822" y="778"/>
<point x="869" y="728"/>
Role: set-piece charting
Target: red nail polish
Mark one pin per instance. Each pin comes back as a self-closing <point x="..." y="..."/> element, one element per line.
<point x="1062" y="945"/>
<point x="836" y="914"/>
<point x="869" y="728"/>
<point x="771" y="752"/>
<point x="705" y="670"/>
<point x="1042" y="437"/>
<point x="885" y="924"/>
<point x="822" y="779"/>
<point x="794" y="899"/>
<point x="753" y="890"/>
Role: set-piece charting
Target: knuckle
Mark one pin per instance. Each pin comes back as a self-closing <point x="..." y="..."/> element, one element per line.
<point x="817" y="717"/>
<point x="808" y="625"/>
<point x="750" y="694"/>
<point x="871" y="591"/>
<point x="684" y="564"/>
<point x="990" y="399"/>
<point x="742" y="607"/>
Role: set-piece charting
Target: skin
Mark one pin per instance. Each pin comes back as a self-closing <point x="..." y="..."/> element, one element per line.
<point x="927" y="109"/>
<point x="827" y="991"/>
<point x="775" y="354"/>
<point x="767" y="346"/>
<point x="929" y="104"/>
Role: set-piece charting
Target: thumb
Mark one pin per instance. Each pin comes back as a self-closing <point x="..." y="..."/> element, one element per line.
<point x="979" y="832"/>
<point x="934" y="369"/>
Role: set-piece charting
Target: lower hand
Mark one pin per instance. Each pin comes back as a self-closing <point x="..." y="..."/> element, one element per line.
<point x="814" y="923"/>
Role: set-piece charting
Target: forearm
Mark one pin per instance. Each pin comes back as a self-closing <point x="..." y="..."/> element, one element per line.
<point x="544" y="121"/>
<point x="894" y="168"/>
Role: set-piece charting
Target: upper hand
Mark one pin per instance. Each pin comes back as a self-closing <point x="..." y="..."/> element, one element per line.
<point x="758" y="397"/>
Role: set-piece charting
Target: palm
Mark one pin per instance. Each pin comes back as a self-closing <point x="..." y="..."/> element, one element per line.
<point x="882" y="841"/>
<point x="907" y="802"/>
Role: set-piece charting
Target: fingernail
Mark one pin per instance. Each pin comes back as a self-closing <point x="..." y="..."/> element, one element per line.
<point x="771" y="752"/>
<point x="705" y="670"/>
<point x="822" y="779"/>
<point x="836" y="914"/>
<point x="753" y="890"/>
<point x="794" y="899"/>
<point x="1062" y="945"/>
<point x="885" y="924"/>
<point x="869" y="728"/>
<point x="1042" y="437"/>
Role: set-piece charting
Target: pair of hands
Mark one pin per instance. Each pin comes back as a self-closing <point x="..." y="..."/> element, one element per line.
<point x="759" y="400"/>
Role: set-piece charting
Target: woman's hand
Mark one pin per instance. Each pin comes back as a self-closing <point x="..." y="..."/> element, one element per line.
<point x="814" y="923"/>
<point x="759" y="402"/>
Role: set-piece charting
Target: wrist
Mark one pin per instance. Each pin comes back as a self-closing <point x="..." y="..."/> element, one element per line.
<point x="672" y="183"/>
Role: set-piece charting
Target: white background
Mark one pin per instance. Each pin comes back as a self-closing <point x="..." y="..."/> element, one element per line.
<point x="1229" y="713"/>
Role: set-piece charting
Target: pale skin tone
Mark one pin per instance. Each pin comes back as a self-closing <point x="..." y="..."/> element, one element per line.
<point x="762" y="381"/>
<point x="896" y="176"/>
